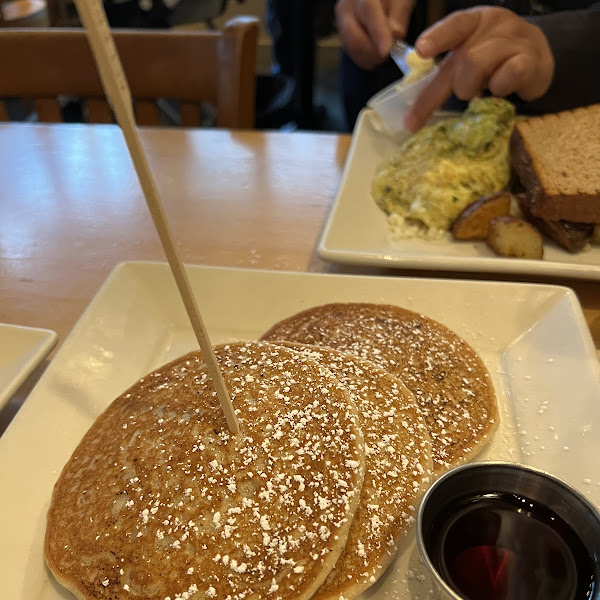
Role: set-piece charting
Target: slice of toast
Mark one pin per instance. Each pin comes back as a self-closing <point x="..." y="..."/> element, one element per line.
<point x="556" y="158"/>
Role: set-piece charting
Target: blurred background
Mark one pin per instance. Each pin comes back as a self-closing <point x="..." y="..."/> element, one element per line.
<point x="298" y="48"/>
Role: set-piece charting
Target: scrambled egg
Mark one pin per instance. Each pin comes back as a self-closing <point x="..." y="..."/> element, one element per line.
<point x="446" y="166"/>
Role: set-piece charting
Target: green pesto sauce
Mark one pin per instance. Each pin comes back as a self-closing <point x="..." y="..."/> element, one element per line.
<point x="446" y="166"/>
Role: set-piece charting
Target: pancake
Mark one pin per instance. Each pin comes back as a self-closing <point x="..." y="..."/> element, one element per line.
<point x="449" y="380"/>
<point x="160" y="501"/>
<point x="398" y="467"/>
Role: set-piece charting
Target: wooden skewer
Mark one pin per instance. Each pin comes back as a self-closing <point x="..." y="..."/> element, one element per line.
<point x="116" y="88"/>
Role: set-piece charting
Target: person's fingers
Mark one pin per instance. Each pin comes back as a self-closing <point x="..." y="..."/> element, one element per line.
<point x="490" y="48"/>
<point x="511" y="75"/>
<point x="529" y="73"/>
<point x="521" y="74"/>
<point x="474" y="65"/>
<point x="431" y="97"/>
<point x="371" y="16"/>
<point x="399" y="17"/>
<point x="357" y="43"/>
<point x="447" y="34"/>
<point x="534" y="88"/>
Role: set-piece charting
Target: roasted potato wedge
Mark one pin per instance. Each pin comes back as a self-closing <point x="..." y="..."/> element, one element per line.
<point x="512" y="237"/>
<point x="473" y="222"/>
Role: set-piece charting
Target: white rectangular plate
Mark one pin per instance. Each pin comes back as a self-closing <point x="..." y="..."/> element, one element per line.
<point x="22" y="349"/>
<point x="533" y="339"/>
<point x="356" y="229"/>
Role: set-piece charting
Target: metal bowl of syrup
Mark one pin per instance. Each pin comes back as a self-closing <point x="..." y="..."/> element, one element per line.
<point x="501" y="531"/>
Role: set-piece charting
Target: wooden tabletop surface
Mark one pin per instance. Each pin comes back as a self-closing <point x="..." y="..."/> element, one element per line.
<point x="72" y="208"/>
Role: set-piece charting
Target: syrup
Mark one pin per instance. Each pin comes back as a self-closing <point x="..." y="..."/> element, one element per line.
<point x="505" y="547"/>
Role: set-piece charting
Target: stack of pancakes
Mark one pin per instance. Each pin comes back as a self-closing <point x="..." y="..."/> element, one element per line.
<point x="346" y="412"/>
<point x="449" y="380"/>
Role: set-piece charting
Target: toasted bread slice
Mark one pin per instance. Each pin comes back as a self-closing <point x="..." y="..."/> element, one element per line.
<point x="515" y="238"/>
<point x="556" y="158"/>
<point x="474" y="221"/>
<point x="449" y="380"/>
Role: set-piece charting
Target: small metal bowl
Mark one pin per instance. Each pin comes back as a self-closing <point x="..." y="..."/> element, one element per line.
<point x="448" y="525"/>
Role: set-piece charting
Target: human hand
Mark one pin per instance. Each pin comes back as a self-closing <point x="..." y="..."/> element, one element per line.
<point x="369" y="28"/>
<point x="489" y="48"/>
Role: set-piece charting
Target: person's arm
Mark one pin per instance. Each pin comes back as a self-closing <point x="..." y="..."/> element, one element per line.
<point x="574" y="37"/>
<point x="369" y="28"/>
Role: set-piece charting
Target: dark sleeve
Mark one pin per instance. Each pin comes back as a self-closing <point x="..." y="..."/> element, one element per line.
<point x="574" y="37"/>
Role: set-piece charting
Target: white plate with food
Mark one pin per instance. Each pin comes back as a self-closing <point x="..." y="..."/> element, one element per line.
<point x="357" y="230"/>
<point x="22" y="349"/>
<point x="532" y="338"/>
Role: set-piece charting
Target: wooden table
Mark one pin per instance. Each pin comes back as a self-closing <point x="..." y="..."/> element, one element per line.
<point x="71" y="209"/>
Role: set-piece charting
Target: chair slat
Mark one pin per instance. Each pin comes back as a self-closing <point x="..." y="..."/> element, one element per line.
<point x="47" y="110"/>
<point x="99" y="111"/>
<point x="236" y="96"/>
<point x="146" y="113"/>
<point x="190" y="115"/>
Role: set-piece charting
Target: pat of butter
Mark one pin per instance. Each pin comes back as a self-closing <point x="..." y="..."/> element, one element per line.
<point x="391" y="103"/>
<point x="417" y="67"/>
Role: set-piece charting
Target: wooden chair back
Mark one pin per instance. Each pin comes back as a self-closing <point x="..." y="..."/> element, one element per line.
<point x="189" y="66"/>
